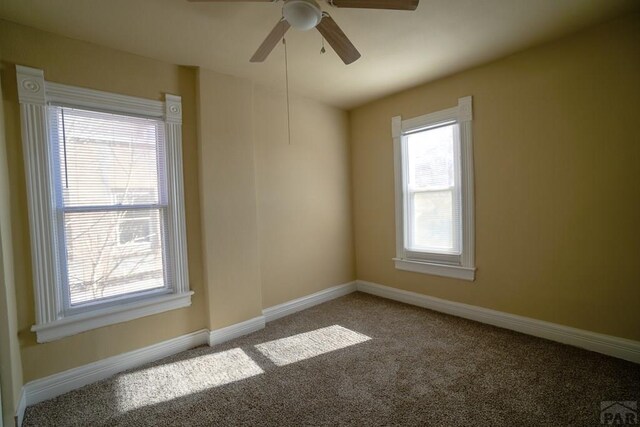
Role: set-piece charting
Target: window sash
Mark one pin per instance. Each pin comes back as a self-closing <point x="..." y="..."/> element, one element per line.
<point x="62" y="210"/>
<point x="63" y="247"/>
<point x="410" y="251"/>
<point x="410" y="216"/>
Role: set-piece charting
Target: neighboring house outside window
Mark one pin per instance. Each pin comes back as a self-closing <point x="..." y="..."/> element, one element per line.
<point x="104" y="178"/>
<point x="434" y="192"/>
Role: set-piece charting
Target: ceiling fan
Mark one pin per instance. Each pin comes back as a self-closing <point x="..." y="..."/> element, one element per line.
<point x="307" y="14"/>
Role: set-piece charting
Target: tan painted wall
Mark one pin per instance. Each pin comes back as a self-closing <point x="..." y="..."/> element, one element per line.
<point x="10" y="362"/>
<point x="304" y="196"/>
<point x="83" y="64"/>
<point x="228" y="200"/>
<point x="557" y="173"/>
<point x="276" y="217"/>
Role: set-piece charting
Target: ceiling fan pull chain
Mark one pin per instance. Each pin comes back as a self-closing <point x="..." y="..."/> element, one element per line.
<point x="286" y="74"/>
<point x="323" y="49"/>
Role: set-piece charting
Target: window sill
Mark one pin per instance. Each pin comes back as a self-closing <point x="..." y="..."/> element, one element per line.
<point x="443" y="270"/>
<point x="108" y="316"/>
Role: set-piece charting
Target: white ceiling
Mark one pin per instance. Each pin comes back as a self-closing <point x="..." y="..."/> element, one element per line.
<point x="399" y="49"/>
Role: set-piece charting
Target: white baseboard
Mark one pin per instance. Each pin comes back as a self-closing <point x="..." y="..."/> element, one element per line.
<point x="290" y="307"/>
<point x="63" y="382"/>
<point x="218" y="336"/>
<point x="221" y="335"/>
<point x="606" y="344"/>
<point x="22" y="406"/>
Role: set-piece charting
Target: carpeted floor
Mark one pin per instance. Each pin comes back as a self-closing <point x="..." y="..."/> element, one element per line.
<point x="358" y="360"/>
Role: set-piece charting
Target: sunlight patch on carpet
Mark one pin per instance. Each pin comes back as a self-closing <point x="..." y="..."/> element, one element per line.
<point x="172" y="380"/>
<point x="310" y="344"/>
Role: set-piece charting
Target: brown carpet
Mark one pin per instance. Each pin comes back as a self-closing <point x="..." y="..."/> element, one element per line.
<point x="358" y="360"/>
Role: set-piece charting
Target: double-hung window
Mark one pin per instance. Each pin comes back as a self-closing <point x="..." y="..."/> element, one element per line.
<point x="104" y="180"/>
<point x="434" y="192"/>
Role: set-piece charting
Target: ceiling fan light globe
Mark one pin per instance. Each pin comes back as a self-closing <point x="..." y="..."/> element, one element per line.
<point x="302" y="14"/>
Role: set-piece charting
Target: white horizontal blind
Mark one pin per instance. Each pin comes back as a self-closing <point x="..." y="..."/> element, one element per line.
<point x="433" y="214"/>
<point x="111" y="205"/>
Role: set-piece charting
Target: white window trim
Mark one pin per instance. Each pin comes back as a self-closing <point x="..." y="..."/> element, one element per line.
<point x="433" y="263"/>
<point x="35" y="94"/>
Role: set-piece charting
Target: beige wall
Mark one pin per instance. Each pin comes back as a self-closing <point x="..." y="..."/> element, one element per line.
<point x="304" y="196"/>
<point x="10" y="362"/>
<point x="77" y="63"/>
<point x="228" y="200"/>
<point x="276" y="217"/>
<point x="557" y="156"/>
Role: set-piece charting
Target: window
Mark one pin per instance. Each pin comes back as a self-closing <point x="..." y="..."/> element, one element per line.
<point x="434" y="192"/>
<point x="105" y="190"/>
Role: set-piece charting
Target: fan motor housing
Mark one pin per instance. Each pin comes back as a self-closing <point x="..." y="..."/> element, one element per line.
<point x="302" y="14"/>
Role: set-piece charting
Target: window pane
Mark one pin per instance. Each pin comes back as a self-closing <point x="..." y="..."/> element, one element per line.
<point x="135" y="228"/>
<point x="434" y="214"/>
<point x="433" y="222"/>
<point x="431" y="159"/>
<point x="106" y="158"/>
<point x="113" y="253"/>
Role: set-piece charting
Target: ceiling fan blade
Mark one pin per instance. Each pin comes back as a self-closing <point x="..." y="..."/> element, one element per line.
<point x="271" y="41"/>
<point x="377" y="4"/>
<point x="337" y="39"/>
